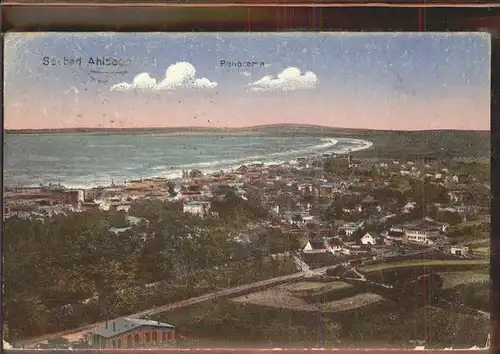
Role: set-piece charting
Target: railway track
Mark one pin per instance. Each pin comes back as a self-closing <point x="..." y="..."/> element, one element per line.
<point x="174" y="306"/>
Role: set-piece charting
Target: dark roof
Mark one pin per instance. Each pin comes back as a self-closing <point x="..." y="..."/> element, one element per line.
<point x="398" y="226"/>
<point x="317" y="245"/>
<point x="122" y="325"/>
<point x="336" y="242"/>
<point x="422" y="227"/>
<point x="373" y="234"/>
<point x="368" y="200"/>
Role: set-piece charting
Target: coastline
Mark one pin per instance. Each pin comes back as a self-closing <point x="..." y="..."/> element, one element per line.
<point x="208" y="168"/>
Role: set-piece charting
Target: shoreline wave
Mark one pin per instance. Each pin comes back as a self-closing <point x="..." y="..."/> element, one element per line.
<point x="175" y="172"/>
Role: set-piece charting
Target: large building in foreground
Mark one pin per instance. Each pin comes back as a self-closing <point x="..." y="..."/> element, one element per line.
<point x="131" y="333"/>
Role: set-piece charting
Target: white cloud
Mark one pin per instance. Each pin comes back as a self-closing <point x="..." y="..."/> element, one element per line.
<point x="73" y="90"/>
<point x="289" y="79"/>
<point x="72" y="94"/>
<point x="245" y="73"/>
<point x="178" y="75"/>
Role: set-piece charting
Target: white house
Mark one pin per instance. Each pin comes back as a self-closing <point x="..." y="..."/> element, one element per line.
<point x="345" y="251"/>
<point x="305" y="187"/>
<point x="298" y="218"/>
<point x="421" y="234"/>
<point x="395" y="234"/>
<point x="409" y="207"/>
<point x="369" y="238"/>
<point x="357" y="208"/>
<point x="308" y="218"/>
<point x="462" y="208"/>
<point x="335" y="245"/>
<point x="459" y="250"/>
<point x="449" y="209"/>
<point x="433" y="223"/>
<point x="123" y="207"/>
<point x="200" y="208"/>
<point x="386" y="217"/>
<point x="103" y="204"/>
<point x="351" y="228"/>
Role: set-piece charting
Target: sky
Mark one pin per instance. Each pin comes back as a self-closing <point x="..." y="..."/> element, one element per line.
<point x="406" y="81"/>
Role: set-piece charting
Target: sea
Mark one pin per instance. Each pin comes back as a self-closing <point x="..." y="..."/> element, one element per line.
<point x="78" y="160"/>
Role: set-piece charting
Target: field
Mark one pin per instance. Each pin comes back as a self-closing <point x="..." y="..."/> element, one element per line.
<point x="240" y="324"/>
<point x="420" y="262"/>
<point x="351" y="303"/>
<point x="481" y="160"/>
<point x="482" y="242"/>
<point x="453" y="279"/>
<point x="277" y="317"/>
<point x="294" y="297"/>
<point x="470" y="223"/>
<point x="304" y="286"/>
<point x="278" y="298"/>
<point x="310" y="287"/>
<point x="336" y="285"/>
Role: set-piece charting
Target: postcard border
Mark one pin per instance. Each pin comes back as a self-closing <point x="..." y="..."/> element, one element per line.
<point x="36" y="17"/>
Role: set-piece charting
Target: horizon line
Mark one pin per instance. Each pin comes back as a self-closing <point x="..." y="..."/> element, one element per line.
<point x="298" y="125"/>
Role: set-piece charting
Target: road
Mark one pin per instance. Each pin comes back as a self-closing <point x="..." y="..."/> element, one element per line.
<point x="302" y="265"/>
<point x="76" y="332"/>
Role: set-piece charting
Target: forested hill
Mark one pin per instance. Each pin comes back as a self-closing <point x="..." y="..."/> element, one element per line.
<point x="442" y="144"/>
<point x="429" y="144"/>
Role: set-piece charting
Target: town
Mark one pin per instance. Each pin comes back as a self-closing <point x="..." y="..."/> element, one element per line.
<point x="314" y="214"/>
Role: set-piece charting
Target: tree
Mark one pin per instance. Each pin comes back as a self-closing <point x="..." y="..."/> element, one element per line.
<point x="335" y="165"/>
<point x="26" y="316"/>
<point x="171" y="189"/>
<point x="449" y="217"/>
<point x="426" y="193"/>
<point x="336" y="271"/>
<point x="297" y="218"/>
<point x="119" y="220"/>
<point x="195" y="173"/>
<point x="71" y="270"/>
<point x="424" y="288"/>
<point x="57" y="341"/>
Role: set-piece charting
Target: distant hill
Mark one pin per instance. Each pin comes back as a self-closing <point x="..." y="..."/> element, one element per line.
<point x="432" y="144"/>
<point x="387" y="143"/>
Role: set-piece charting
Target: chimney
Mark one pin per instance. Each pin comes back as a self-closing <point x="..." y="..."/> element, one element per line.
<point x="114" y="327"/>
<point x="106" y="324"/>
